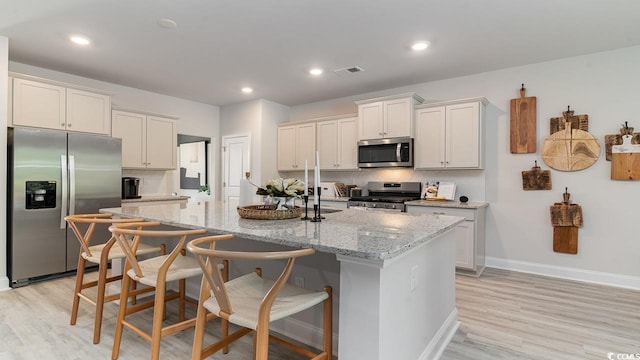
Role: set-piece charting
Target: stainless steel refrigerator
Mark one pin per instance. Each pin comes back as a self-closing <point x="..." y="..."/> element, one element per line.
<point x="52" y="174"/>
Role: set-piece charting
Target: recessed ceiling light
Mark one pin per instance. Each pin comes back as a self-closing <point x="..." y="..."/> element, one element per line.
<point x="167" y="23"/>
<point x="316" y="71"/>
<point x="419" y="46"/>
<point x="80" y="40"/>
<point x="247" y="90"/>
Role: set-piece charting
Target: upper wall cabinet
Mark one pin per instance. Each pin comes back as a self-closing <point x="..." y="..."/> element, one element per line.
<point x="148" y="142"/>
<point x="296" y="143"/>
<point x="387" y="117"/>
<point x="45" y="105"/>
<point x="337" y="144"/>
<point x="450" y="135"/>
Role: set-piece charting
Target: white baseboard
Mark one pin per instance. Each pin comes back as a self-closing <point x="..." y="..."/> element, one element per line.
<point x="442" y="338"/>
<point x="303" y="332"/>
<point x="4" y="283"/>
<point x="596" y="277"/>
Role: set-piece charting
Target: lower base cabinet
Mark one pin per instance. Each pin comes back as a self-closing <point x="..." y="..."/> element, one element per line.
<point x="470" y="235"/>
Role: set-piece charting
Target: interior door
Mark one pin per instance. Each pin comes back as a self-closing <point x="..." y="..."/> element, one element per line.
<point x="236" y="164"/>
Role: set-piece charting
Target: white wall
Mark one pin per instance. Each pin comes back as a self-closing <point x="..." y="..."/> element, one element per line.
<point x="4" y="65"/>
<point x="519" y="233"/>
<point x="258" y="119"/>
<point x="193" y="119"/>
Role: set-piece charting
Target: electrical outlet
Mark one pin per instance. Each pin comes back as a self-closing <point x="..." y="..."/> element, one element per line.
<point x="413" y="278"/>
<point x="299" y="281"/>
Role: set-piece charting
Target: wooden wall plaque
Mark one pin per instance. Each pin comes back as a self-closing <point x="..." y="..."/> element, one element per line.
<point x="523" y="124"/>
<point x="536" y="179"/>
<point x="566" y="218"/>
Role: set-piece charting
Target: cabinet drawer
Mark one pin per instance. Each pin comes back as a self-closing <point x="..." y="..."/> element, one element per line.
<point x="468" y="214"/>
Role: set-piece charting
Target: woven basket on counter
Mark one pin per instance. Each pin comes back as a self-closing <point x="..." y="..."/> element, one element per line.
<point x="268" y="212"/>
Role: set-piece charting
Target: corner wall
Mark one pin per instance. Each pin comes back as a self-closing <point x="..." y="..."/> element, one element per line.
<point x="604" y="86"/>
<point x="4" y="97"/>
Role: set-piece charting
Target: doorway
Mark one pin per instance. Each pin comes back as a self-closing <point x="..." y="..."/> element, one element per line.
<point x="235" y="158"/>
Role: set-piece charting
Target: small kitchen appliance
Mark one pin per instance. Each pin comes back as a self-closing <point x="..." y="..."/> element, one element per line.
<point x="387" y="195"/>
<point x="130" y="188"/>
<point x="390" y="152"/>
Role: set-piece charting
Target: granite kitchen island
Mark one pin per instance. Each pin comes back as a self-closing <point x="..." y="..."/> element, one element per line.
<point x="397" y="282"/>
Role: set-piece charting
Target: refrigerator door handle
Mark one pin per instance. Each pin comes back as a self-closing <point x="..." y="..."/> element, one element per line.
<point x="64" y="185"/>
<point x="72" y="185"/>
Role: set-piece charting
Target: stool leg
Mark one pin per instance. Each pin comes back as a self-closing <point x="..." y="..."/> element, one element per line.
<point x="77" y="290"/>
<point x="182" y="289"/>
<point x="124" y="297"/>
<point x="328" y="322"/>
<point x="225" y="322"/>
<point x="158" y="313"/>
<point x="102" y="284"/>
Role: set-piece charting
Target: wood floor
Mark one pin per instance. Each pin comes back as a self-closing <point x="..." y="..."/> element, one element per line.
<point x="504" y="315"/>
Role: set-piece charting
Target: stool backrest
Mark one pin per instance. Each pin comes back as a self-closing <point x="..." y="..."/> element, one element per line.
<point x="209" y="257"/>
<point x="136" y="231"/>
<point x="92" y="220"/>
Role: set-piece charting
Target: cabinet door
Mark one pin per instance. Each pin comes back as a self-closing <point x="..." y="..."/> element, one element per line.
<point x="286" y="148"/>
<point x="429" y="143"/>
<point x="398" y="115"/>
<point x="10" y="101"/>
<point x="130" y="127"/>
<point x="88" y="112"/>
<point x="347" y="144"/>
<point x="38" y="104"/>
<point x="370" y="118"/>
<point x="305" y="145"/>
<point x="463" y="136"/>
<point x="327" y="144"/>
<point x="465" y="250"/>
<point x="161" y="143"/>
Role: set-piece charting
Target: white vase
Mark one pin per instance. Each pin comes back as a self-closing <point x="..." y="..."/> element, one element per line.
<point x="282" y="202"/>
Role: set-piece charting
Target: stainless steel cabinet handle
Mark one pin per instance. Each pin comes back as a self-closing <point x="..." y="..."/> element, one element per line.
<point x="63" y="204"/>
<point x="72" y="185"/>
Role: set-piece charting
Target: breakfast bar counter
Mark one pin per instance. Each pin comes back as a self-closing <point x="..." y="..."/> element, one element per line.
<point x="397" y="282"/>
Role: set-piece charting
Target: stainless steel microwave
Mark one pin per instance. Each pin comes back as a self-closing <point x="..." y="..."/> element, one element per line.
<point x="392" y="152"/>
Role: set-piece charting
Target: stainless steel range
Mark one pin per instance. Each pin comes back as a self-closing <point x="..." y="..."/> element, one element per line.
<point x="387" y="195"/>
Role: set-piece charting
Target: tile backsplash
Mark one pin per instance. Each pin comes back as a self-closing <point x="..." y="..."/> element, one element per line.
<point x="153" y="182"/>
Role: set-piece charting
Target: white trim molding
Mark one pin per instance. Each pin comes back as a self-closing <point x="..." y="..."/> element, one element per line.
<point x="590" y="276"/>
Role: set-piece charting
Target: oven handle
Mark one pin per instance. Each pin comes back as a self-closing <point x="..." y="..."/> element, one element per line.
<point x="398" y="152"/>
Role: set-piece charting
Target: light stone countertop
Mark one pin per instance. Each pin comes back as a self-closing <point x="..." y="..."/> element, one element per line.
<point x="448" y="204"/>
<point x="366" y="234"/>
<point x="156" y="198"/>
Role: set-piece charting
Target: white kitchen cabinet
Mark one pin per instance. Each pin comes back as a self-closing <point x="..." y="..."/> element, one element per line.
<point x="387" y="117"/>
<point x="469" y="234"/>
<point x="50" y="106"/>
<point x="296" y="143"/>
<point x="88" y="112"/>
<point x="450" y="135"/>
<point x="148" y="141"/>
<point x="337" y="144"/>
<point x="10" y="101"/>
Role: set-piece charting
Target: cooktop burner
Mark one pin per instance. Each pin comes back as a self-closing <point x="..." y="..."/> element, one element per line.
<point x="387" y="195"/>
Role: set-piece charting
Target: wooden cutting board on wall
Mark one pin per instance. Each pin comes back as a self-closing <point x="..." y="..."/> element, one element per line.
<point x="570" y="149"/>
<point x="625" y="160"/>
<point x="523" y="124"/>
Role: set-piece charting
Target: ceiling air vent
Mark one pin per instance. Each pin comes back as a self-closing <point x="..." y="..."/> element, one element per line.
<point x="348" y="71"/>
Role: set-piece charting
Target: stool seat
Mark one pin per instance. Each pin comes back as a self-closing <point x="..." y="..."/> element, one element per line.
<point x="95" y="252"/>
<point x="182" y="267"/>
<point x="247" y="292"/>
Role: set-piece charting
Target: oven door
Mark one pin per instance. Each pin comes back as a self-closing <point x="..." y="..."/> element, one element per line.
<point x="395" y="152"/>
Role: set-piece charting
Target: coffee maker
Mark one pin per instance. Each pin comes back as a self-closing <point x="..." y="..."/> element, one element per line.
<point x="130" y="187"/>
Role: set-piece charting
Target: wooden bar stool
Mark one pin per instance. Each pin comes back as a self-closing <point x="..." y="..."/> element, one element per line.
<point x="251" y="301"/>
<point x="155" y="273"/>
<point x="99" y="254"/>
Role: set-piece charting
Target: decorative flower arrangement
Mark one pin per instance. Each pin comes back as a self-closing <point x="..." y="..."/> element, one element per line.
<point x="282" y="187"/>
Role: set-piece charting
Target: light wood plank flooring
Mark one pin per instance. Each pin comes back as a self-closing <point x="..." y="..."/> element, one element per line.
<point x="504" y="315"/>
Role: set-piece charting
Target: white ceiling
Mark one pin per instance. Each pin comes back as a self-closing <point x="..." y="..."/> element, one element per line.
<point x="221" y="45"/>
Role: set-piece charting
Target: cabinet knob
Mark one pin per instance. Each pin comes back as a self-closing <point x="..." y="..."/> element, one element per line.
<point x="69" y="125"/>
<point x="62" y="124"/>
<point x="380" y="133"/>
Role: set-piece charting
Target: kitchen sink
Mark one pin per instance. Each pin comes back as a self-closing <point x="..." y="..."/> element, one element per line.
<point x="329" y="210"/>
